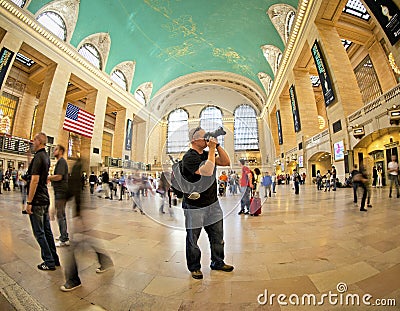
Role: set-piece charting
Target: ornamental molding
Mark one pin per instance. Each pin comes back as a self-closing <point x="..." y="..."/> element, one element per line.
<point x="67" y="9"/>
<point x="102" y="42"/>
<point x="279" y="13"/>
<point x="266" y="81"/>
<point x="128" y="69"/>
<point x="271" y="53"/>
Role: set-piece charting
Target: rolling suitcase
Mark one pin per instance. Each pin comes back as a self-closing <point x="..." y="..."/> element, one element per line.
<point x="255" y="205"/>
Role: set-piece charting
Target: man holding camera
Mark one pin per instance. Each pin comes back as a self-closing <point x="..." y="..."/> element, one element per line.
<point x="200" y="204"/>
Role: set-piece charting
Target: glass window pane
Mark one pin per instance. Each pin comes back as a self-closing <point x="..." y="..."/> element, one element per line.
<point x="178" y="131"/>
<point x="210" y="120"/>
<point x="118" y="77"/>
<point x="53" y="22"/>
<point x="356" y="8"/>
<point x="74" y="145"/>
<point x="8" y="107"/>
<point x="20" y="3"/>
<point x="246" y="129"/>
<point x="89" y="52"/>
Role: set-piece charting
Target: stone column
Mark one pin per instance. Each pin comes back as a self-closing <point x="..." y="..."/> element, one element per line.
<point x="229" y="139"/>
<point x="96" y="103"/>
<point x="306" y="102"/>
<point x="49" y="116"/>
<point x="25" y="111"/>
<point x="347" y="92"/>
<point x="274" y="131"/>
<point x="288" y="133"/>
<point x="119" y="134"/>
<point x="139" y="134"/>
<point x="12" y="43"/>
<point x="382" y="67"/>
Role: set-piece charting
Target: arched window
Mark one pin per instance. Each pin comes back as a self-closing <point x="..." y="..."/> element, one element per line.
<point x="20" y="3"/>
<point x="178" y="131"/>
<point x="246" y="129"/>
<point x="118" y="77"/>
<point x="53" y="22"/>
<point x="139" y="95"/>
<point x="90" y="52"/>
<point x="278" y="61"/>
<point x="289" y="24"/>
<point x="210" y="120"/>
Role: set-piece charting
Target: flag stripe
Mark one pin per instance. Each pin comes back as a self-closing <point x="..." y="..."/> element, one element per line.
<point x="78" y="121"/>
<point x="77" y="128"/>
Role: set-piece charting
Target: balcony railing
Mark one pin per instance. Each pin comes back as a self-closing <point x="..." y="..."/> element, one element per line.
<point x="317" y="139"/>
<point x="383" y="102"/>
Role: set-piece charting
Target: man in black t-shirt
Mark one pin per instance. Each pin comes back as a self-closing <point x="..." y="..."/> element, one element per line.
<point x="37" y="205"/>
<point x="59" y="182"/>
<point x="200" y="201"/>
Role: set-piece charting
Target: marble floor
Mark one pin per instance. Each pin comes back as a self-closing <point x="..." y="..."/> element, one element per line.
<point x="313" y="245"/>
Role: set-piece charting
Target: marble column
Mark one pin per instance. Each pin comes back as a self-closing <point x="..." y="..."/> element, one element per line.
<point x="96" y="103"/>
<point x="288" y="133"/>
<point x="306" y="103"/>
<point x="12" y="43"/>
<point x="385" y="74"/>
<point x="49" y="116"/>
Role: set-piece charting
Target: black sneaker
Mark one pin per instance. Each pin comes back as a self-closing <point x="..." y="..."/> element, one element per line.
<point x="225" y="268"/>
<point x="45" y="267"/>
<point x="69" y="287"/>
<point x="197" y="274"/>
<point x="363" y="210"/>
<point x="241" y="212"/>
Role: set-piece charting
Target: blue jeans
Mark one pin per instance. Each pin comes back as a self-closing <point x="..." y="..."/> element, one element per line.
<point x="44" y="236"/>
<point x="62" y="219"/>
<point x="245" y="200"/>
<point x="394" y="180"/>
<point x="210" y="218"/>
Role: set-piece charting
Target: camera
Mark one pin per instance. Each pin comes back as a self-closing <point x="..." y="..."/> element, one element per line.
<point x="218" y="132"/>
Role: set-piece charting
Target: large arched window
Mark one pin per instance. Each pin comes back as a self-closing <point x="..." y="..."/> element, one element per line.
<point x="53" y="22"/>
<point x="90" y="52"/>
<point x="178" y="131"/>
<point x="210" y="120"/>
<point x="246" y="129"/>
<point x="118" y="77"/>
<point x="20" y="3"/>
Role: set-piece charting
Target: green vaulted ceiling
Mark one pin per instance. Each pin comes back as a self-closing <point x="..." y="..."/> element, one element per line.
<point x="172" y="38"/>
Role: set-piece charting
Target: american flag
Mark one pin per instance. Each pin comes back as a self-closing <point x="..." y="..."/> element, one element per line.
<point x="78" y="121"/>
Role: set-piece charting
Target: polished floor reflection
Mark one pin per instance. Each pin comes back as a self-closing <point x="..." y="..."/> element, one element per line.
<point x="299" y="245"/>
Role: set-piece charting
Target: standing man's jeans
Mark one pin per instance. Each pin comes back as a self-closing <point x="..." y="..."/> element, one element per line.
<point x="245" y="200"/>
<point x="267" y="191"/>
<point x="394" y="179"/>
<point x="62" y="219"/>
<point x="23" y="193"/>
<point x="211" y="218"/>
<point x="355" y="186"/>
<point x="44" y="236"/>
<point x="273" y="186"/>
<point x="296" y="187"/>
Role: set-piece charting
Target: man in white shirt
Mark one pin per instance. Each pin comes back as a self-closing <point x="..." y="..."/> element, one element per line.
<point x="393" y="169"/>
